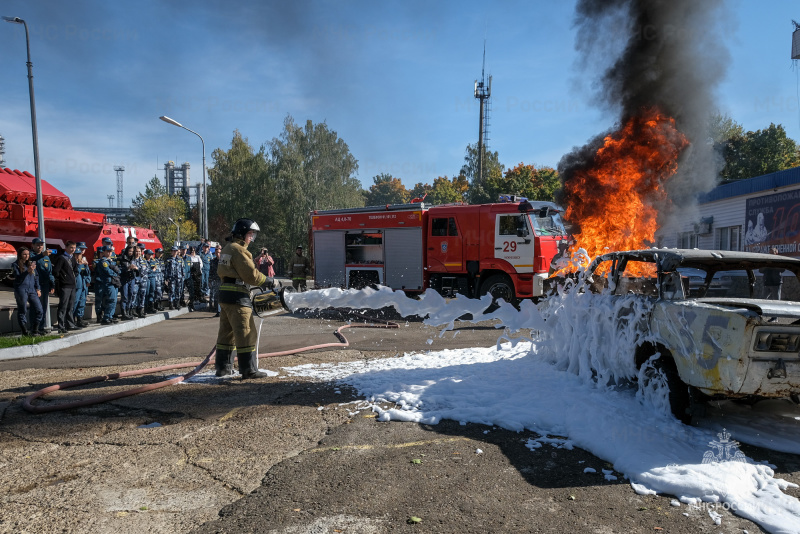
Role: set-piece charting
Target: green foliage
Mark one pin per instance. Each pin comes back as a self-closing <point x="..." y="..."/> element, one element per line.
<point x="444" y="192"/>
<point x="527" y="181"/>
<point x="421" y="192"/>
<point x="243" y="186"/>
<point x="749" y="154"/>
<point x="154" y="208"/>
<point x="386" y="189"/>
<point x="492" y="169"/>
<point x="312" y="169"/>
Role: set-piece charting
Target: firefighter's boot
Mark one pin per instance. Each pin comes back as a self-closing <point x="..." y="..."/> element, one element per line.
<point x="248" y="366"/>
<point x="223" y="362"/>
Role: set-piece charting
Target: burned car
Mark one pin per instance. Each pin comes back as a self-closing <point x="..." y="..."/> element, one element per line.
<point x="706" y="330"/>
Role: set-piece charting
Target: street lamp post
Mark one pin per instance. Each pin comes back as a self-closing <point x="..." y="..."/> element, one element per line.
<point x="37" y="175"/>
<point x="178" y="229"/>
<point x="205" y="194"/>
<point x="39" y="209"/>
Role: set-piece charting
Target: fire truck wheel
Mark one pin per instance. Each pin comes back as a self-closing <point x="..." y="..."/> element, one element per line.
<point x="499" y="286"/>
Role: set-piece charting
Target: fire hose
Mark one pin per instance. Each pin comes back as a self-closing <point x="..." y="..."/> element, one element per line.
<point x="262" y="302"/>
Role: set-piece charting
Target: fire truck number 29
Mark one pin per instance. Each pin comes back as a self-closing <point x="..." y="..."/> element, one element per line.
<point x="509" y="246"/>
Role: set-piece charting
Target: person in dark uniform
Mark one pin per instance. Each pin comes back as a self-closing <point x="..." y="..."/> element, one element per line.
<point x="173" y="271"/>
<point x="301" y="268"/>
<point x="47" y="284"/>
<point x="237" y="329"/>
<point x="214" y="281"/>
<point x="65" y="271"/>
<point x="27" y="292"/>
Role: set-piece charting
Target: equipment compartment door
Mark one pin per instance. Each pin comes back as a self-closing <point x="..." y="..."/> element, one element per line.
<point x="403" y="258"/>
<point x="509" y="246"/>
<point x="329" y="255"/>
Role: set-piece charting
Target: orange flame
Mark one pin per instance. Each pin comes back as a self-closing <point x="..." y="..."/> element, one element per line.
<point x="613" y="199"/>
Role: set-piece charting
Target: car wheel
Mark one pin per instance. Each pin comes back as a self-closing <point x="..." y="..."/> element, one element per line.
<point x="662" y="373"/>
<point x="499" y="286"/>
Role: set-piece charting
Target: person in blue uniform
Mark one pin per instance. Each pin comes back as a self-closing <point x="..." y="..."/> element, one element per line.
<point x="106" y="270"/>
<point x="47" y="284"/>
<point x="205" y="260"/>
<point x="27" y="292"/>
<point x="83" y="278"/>
<point x="159" y="258"/>
<point x="152" y="280"/>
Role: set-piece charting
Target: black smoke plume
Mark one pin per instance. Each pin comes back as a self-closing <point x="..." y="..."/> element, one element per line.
<point x="663" y="53"/>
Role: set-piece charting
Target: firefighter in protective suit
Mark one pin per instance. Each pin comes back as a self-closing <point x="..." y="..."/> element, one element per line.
<point x="237" y="328"/>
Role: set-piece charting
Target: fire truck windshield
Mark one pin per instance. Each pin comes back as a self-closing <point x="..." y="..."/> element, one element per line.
<point x="549" y="225"/>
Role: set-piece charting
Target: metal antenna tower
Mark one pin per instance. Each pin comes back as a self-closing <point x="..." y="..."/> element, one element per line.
<point x="120" y="169"/>
<point x="483" y="92"/>
<point x="2" y="152"/>
<point x="110" y="200"/>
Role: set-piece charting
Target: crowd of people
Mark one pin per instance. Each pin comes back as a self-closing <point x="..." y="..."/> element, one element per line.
<point x="135" y="280"/>
<point x="137" y="277"/>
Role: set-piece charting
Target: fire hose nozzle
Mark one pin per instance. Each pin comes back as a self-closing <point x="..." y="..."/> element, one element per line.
<point x="265" y="300"/>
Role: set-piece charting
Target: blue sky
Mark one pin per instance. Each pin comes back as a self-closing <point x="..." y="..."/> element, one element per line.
<point x="394" y="79"/>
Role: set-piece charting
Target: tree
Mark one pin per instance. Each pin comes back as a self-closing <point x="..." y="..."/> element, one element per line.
<point x="492" y="169"/>
<point x="421" y="191"/>
<point x="527" y="181"/>
<point x="749" y="154"/>
<point x="312" y="169"/>
<point x="154" y="208"/>
<point x="386" y="189"/>
<point x="444" y="192"/>
<point x="242" y="186"/>
<point x="759" y="152"/>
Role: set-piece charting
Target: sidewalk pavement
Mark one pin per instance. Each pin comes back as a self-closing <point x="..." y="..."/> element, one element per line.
<point x="91" y="332"/>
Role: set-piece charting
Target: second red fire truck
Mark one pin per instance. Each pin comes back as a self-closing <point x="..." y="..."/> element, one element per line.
<point x="503" y="248"/>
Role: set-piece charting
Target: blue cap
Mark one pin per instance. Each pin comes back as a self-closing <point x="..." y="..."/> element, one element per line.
<point x="107" y="241"/>
<point x="148" y="251"/>
<point x="175" y="248"/>
<point x="159" y="249"/>
<point x="36" y="241"/>
<point x="140" y="245"/>
<point x="80" y="244"/>
<point x="106" y="248"/>
<point x="184" y="246"/>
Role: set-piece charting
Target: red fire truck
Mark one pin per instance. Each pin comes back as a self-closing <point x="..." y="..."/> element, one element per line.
<point x="19" y="220"/>
<point x="503" y="248"/>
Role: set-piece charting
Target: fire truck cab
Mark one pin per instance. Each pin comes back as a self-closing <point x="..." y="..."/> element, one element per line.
<point x="503" y="248"/>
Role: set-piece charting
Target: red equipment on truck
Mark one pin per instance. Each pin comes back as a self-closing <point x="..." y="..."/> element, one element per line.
<point x="503" y="248"/>
<point x="19" y="222"/>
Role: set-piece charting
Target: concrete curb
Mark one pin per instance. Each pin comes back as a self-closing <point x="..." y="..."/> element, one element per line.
<point x="70" y="340"/>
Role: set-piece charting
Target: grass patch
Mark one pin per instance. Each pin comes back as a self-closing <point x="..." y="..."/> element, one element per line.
<point x="14" y="341"/>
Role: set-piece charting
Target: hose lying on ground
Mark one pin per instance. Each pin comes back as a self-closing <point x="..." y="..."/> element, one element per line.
<point x="198" y="366"/>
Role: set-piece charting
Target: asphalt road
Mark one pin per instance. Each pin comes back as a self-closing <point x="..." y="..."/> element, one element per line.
<point x="284" y="454"/>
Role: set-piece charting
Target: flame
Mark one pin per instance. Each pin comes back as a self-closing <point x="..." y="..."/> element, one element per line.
<point x="613" y="199"/>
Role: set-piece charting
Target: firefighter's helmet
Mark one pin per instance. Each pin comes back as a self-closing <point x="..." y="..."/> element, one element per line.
<point x="242" y="226"/>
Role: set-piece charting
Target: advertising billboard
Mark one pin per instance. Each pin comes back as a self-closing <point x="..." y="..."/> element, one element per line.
<point x="773" y="220"/>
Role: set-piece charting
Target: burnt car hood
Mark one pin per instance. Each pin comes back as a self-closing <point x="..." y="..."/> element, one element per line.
<point x="774" y="308"/>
